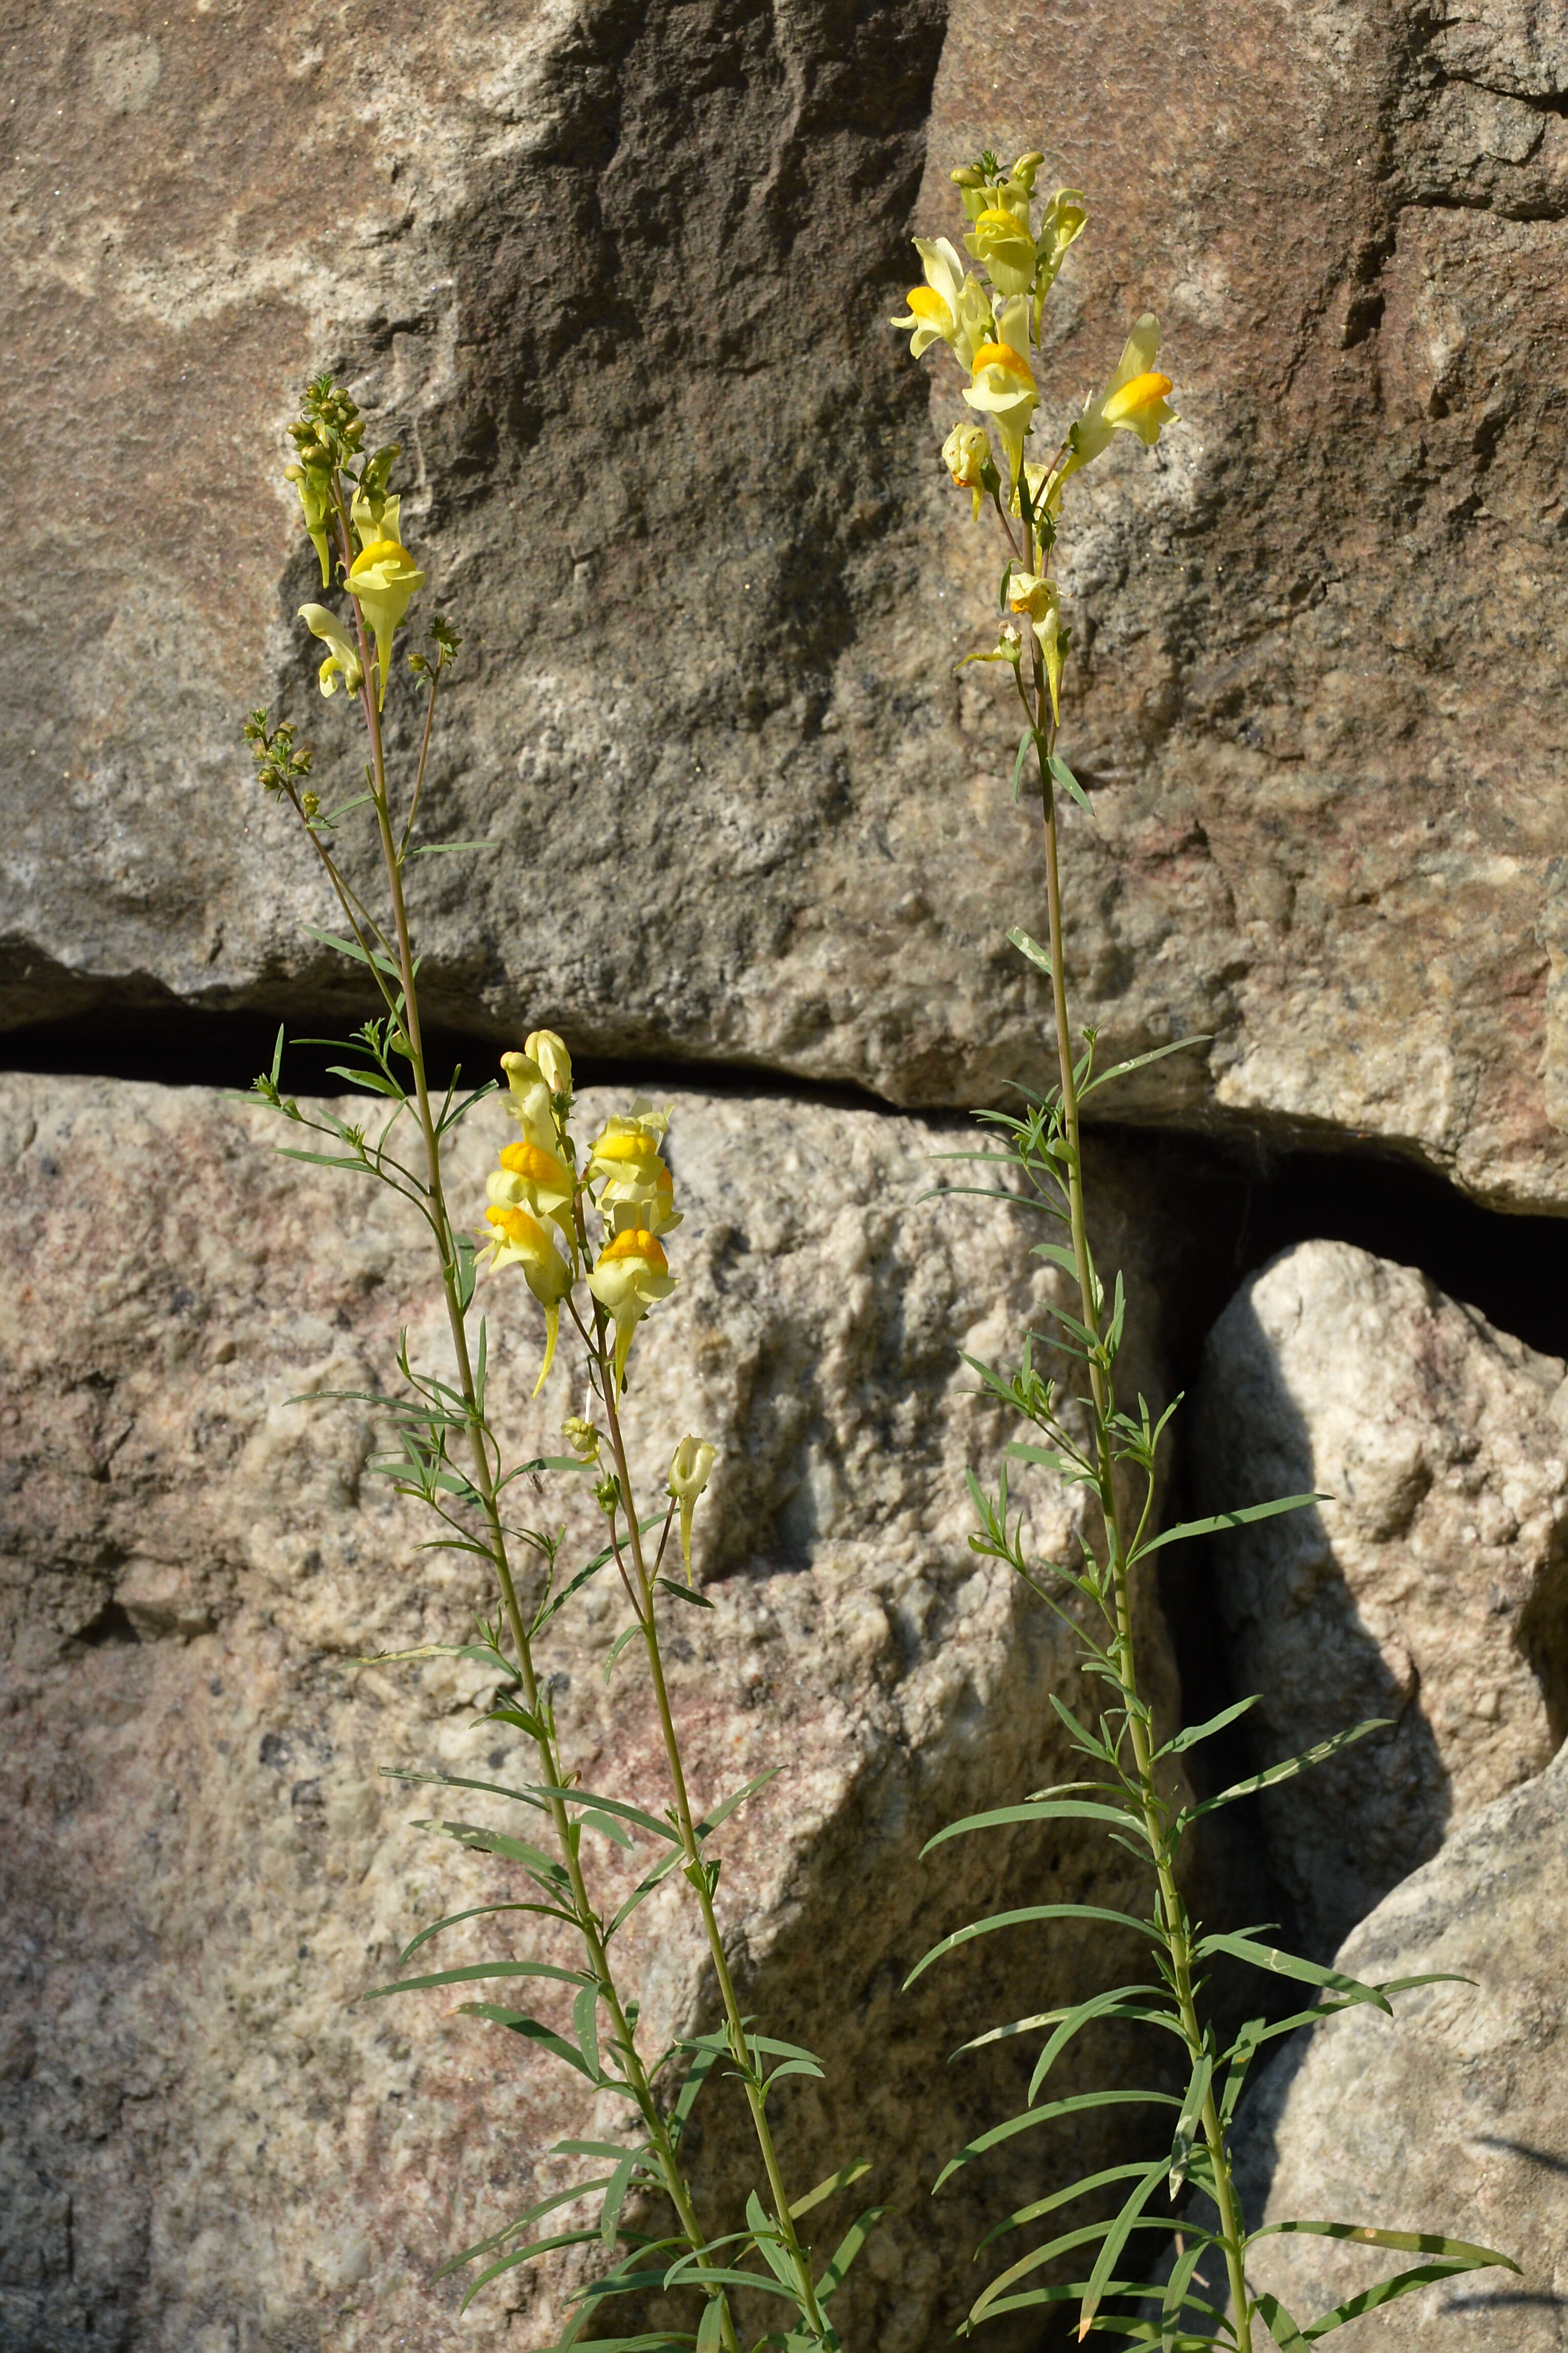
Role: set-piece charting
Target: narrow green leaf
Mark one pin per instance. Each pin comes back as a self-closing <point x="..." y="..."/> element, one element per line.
<point x="615" y="2195"/>
<point x="1240" y="1518"/>
<point x="1280" y="2323"/>
<point x="1064" y="776"/>
<point x="521" y="2255"/>
<point x="1288" y="1769"/>
<point x="643" y="1890"/>
<point x="1192" y="1733"/>
<point x="600" y="1804"/>
<point x="452" y="1919"/>
<point x="585" y="2027"/>
<point x="352" y="949"/>
<point x="1141" y="1061"/>
<point x="710" y="2328"/>
<point x="1085" y="2236"/>
<point x="1387" y="2292"/>
<point x="475" y="1972"/>
<point x="848" y="2247"/>
<point x="1176" y="2288"/>
<point x="1068" y="2196"/>
<point x="1028" y="1913"/>
<point x="1058" y="1809"/>
<point x="824" y="2189"/>
<point x="533" y="2030"/>
<point x="721" y="1813"/>
<point x="1073" y="2022"/>
<point x="1188" y="2124"/>
<point x="1269" y="1959"/>
<point x="1405" y="2242"/>
<point x="1115" y="2239"/>
<point x="1030" y="948"/>
<point x="1077" y="2105"/>
<point x="684" y="1593"/>
<point x="446" y="849"/>
<point x="628" y="1635"/>
<point x="521" y="2222"/>
<point x="508" y="1850"/>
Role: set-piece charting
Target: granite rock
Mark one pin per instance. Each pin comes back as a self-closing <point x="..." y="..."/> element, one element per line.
<point x="207" y="2139"/>
<point x="1428" y="1587"/>
<point x="1447" y="2118"/>
<point x="617" y="277"/>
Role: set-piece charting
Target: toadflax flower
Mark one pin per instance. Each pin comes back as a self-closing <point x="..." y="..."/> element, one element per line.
<point x="529" y="1100"/>
<point x="1001" y="242"/>
<point x="530" y="1177"/>
<point x="342" y="659"/>
<point x="951" y="306"/>
<point x="314" y="484"/>
<point x="1040" y="599"/>
<point x="1003" y="385"/>
<point x="631" y="1275"/>
<point x="382" y="578"/>
<point x="966" y="454"/>
<point x="636" y="1187"/>
<point x="521" y="1241"/>
<point x="544" y="1048"/>
<point x="689" y="1473"/>
<point x="1132" y="402"/>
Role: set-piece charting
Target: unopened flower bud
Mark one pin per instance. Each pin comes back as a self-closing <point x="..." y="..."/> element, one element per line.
<point x="310" y="803"/>
<point x="544" y="1047"/>
<point x="966" y="176"/>
<point x="689" y="1474"/>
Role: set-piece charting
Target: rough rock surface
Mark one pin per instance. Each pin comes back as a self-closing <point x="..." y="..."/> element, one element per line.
<point x="1431" y="1587"/>
<point x="618" y="277"/>
<point x="1448" y="2119"/>
<point x="208" y="2143"/>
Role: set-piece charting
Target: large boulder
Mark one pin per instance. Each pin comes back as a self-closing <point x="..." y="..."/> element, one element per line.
<point x="1429" y="1587"/>
<point x="208" y="2140"/>
<point x="1447" y="2118"/>
<point x="619" y="277"/>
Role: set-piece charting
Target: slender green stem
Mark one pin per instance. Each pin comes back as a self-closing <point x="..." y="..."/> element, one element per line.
<point x="696" y="1871"/>
<point x="568" y="1835"/>
<point x="1173" y="1912"/>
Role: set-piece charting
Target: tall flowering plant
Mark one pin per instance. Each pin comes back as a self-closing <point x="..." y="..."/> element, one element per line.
<point x="989" y="316"/>
<point x="579" y="1225"/>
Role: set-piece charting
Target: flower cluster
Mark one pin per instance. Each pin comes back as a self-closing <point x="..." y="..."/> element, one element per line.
<point x="353" y="520"/>
<point x="541" y="1199"/>
<point x="990" y="318"/>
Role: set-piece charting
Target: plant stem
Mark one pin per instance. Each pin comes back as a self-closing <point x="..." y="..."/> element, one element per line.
<point x="567" y="1833"/>
<point x="1177" y="1934"/>
<point x="697" y="1873"/>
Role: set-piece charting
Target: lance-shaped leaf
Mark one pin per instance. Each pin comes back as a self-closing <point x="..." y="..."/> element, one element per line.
<point x="1024" y="1916"/>
<point x="1058" y="1809"/>
<point x="533" y="2030"/>
<point x="475" y="1972"/>
<point x="1269" y="1959"/>
<point x="1240" y="1518"/>
<point x="848" y="2247"/>
<point x="1287" y="1769"/>
<point x="1079" y="2102"/>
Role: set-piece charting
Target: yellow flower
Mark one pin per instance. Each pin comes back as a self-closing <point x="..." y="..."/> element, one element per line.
<point x="342" y="661"/>
<point x="636" y="1187"/>
<point x="522" y="1240"/>
<point x="632" y="1275"/>
<point x="314" y="484"/>
<point x="382" y="577"/>
<point x="530" y="1098"/>
<point x="1039" y="598"/>
<point x="1132" y="402"/>
<point x="966" y="454"/>
<point x="370" y="526"/>
<point x="532" y="1178"/>
<point x="1000" y="240"/>
<point x="1003" y="385"/>
<point x="689" y="1473"/>
<point x="935" y="307"/>
<point x="950" y="308"/>
<point x="1062" y="222"/>
<point x="545" y="1049"/>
